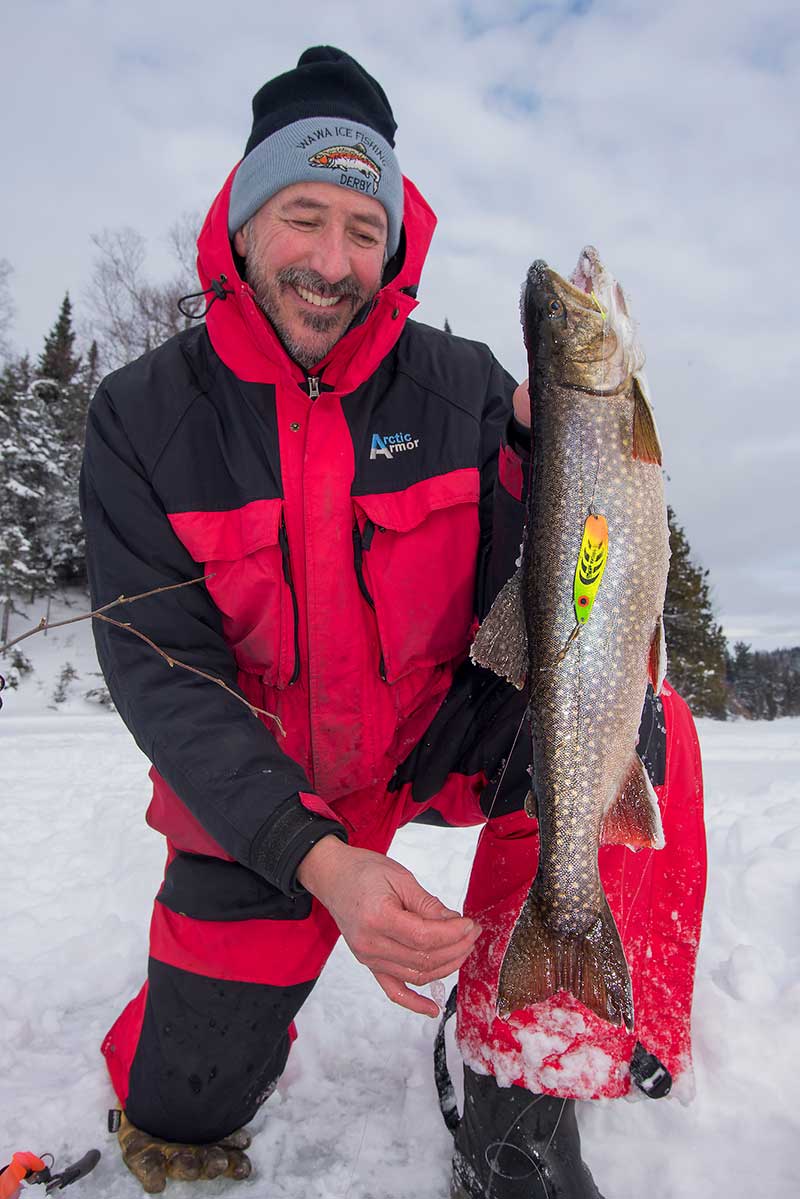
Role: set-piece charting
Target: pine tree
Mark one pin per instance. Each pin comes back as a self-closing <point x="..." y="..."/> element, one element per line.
<point x="29" y="455"/>
<point x="765" y="685"/>
<point x="58" y="360"/>
<point x="447" y="328"/>
<point x="696" y="644"/>
<point x="65" y="384"/>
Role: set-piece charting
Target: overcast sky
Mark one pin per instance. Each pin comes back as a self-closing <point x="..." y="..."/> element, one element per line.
<point x="666" y="133"/>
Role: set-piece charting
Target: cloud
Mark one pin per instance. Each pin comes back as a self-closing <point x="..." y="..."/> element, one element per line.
<point x="664" y="134"/>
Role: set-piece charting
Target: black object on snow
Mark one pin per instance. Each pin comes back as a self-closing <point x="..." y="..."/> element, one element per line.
<point x="649" y="1074"/>
<point x="72" y="1173"/>
<point x="444" y="1083"/>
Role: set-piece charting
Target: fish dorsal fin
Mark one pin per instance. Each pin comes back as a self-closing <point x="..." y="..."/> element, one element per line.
<point x="362" y="149"/>
<point x="646" y="442"/>
<point x="657" y="664"/>
<point x="501" y="643"/>
<point x="634" y="818"/>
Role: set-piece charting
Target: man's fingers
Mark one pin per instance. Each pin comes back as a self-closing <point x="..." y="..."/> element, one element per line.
<point x="419" y="977"/>
<point x="403" y="996"/>
<point x="417" y="964"/>
<point x="417" y="899"/>
<point x="429" y="935"/>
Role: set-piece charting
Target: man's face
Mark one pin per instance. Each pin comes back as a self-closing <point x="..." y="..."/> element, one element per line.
<point x="314" y="254"/>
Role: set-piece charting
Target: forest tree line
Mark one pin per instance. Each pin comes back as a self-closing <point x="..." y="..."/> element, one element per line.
<point x="43" y="406"/>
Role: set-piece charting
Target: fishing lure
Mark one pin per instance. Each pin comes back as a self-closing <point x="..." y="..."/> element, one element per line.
<point x="592" y="560"/>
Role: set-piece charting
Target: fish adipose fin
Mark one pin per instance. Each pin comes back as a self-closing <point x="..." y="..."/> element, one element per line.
<point x="501" y="643"/>
<point x="646" y="442"/>
<point x="591" y="966"/>
<point x="657" y="668"/>
<point x="634" y="818"/>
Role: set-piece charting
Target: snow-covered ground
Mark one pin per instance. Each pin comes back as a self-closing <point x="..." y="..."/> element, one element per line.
<point x="355" y="1115"/>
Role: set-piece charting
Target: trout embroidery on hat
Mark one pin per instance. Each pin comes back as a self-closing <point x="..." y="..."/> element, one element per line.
<point x="349" y="158"/>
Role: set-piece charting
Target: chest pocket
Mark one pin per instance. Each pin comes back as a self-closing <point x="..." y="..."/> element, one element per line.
<point x="246" y="550"/>
<point x="415" y="555"/>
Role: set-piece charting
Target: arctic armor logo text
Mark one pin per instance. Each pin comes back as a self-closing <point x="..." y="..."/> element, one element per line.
<point x="386" y="445"/>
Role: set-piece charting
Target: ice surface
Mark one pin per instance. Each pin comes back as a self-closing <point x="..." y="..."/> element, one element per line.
<point x="355" y="1116"/>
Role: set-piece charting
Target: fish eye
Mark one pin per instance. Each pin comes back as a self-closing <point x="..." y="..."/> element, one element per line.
<point x="555" y="308"/>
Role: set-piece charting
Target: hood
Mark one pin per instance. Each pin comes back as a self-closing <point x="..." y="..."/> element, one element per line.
<point x="245" y="339"/>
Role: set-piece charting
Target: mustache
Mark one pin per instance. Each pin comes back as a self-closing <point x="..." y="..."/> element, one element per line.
<point x="348" y="287"/>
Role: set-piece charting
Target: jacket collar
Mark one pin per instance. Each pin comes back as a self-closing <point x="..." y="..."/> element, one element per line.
<point x="245" y="340"/>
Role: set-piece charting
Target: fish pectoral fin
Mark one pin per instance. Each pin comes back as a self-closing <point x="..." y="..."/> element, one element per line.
<point x="646" y="442"/>
<point x="634" y="818"/>
<point x="539" y="963"/>
<point x="657" y="665"/>
<point x="501" y="643"/>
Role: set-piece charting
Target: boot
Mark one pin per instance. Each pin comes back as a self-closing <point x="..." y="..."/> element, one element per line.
<point x="153" y="1161"/>
<point x="512" y="1144"/>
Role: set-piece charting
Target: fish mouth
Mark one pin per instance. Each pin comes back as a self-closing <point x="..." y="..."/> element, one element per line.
<point x="597" y="331"/>
<point x="590" y="284"/>
<point x="589" y="271"/>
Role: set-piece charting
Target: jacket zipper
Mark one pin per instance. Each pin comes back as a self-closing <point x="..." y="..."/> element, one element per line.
<point x="361" y="542"/>
<point x="283" y="541"/>
<point x="313" y="387"/>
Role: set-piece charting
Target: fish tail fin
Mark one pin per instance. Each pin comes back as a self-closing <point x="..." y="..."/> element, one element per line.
<point x="501" y="643"/>
<point x="540" y="962"/>
<point x="634" y="818"/>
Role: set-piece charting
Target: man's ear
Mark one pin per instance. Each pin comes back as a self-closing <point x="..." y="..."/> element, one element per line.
<point x="240" y="241"/>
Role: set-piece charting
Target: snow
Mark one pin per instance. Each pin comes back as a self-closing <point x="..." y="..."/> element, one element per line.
<point x="355" y="1115"/>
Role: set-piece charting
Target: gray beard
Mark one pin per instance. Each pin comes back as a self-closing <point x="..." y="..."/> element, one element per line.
<point x="266" y="291"/>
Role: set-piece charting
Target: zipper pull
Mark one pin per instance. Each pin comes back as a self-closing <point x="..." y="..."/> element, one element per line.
<point x="313" y="387"/>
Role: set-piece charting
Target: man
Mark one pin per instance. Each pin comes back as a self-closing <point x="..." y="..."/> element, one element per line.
<point x="349" y="485"/>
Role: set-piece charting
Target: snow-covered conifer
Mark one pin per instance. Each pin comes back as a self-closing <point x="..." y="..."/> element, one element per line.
<point x="695" y="642"/>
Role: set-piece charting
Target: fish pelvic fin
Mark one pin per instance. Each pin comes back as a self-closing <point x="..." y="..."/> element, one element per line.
<point x="657" y="663"/>
<point x="539" y="962"/>
<point x="634" y="818"/>
<point x="646" y="442"/>
<point x="501" y="643"/>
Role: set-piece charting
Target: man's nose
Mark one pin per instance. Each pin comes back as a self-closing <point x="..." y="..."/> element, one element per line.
<point x="330" y="257"/>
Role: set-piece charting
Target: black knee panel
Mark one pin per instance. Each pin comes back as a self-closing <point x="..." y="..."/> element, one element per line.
<point x="209" y="1053"/>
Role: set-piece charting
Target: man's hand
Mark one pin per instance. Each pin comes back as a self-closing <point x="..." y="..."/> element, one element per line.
<point x="522" y="404"/>
<point x="396" y="928"/>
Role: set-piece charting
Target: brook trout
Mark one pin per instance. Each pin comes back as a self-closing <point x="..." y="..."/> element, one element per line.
<point x="582" y="621"/>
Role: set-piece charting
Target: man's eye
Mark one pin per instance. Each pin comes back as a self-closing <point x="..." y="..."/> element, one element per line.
<point x="304" y="224"/>
<point x="365" y="239"/>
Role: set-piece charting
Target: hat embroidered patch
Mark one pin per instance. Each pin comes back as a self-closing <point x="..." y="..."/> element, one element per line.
<point x="349" y="158"/>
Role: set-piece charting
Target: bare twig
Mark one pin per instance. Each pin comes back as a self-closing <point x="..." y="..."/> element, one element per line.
<point x="99" y="614"/>
<point x="44" y="624"/>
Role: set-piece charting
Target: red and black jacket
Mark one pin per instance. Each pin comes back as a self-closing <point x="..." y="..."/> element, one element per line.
<point x="349" y="525"/>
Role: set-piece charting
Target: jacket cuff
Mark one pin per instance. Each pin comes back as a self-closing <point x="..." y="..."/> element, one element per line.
<point x="518" y="437"/>
<point x="280" y="845"/>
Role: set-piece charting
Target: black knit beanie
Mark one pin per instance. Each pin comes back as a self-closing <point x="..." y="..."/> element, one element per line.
<point x="326" y="121"/>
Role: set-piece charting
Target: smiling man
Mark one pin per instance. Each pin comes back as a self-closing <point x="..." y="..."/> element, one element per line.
<point x="347" y="482"/>
<point x="340" y="237"/>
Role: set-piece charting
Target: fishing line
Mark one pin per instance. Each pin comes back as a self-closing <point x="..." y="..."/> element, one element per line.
<point x="494" y="800"/>
<point x="498" y="1145"/>
<point x="555" y="1129"/>
<point x="632" y="904"/>
<point x="645" y="869"/>
<point x="513" y="1177"/>
<point x="506" y="763"/>
<point x="358" y="1157"/>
